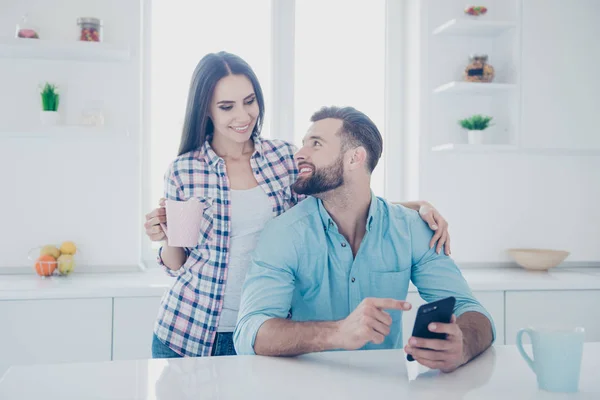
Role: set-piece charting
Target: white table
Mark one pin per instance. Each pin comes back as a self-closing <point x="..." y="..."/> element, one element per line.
<point x="499" y="373"/>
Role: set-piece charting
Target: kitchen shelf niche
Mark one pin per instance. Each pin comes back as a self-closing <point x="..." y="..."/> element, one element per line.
<point x="465" y="27"/>
<point x="55" y="50"/>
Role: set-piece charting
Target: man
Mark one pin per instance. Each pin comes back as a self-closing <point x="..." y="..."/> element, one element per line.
<point x="325" y="272"/>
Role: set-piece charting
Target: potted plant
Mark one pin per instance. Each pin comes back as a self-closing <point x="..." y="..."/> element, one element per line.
<point x="475" y="125"/>
<point x="50" y="100"/>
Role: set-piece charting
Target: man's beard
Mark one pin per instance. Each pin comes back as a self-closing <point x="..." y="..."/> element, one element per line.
<point x="321" y="180"/>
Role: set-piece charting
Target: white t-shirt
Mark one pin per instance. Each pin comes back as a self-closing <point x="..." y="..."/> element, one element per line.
<point x="250" y="211"/>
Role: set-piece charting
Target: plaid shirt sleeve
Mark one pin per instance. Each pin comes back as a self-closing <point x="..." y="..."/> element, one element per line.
<point x="296" y="198"/>
<point x="173" y="191"/>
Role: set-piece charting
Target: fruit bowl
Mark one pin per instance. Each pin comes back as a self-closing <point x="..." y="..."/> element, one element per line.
<point x="538" y="259"/>
<point x="51" y="260"/>
<point x="475" y="11"/>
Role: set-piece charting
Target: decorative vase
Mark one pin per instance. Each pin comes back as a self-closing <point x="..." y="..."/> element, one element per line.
<point x="49" y="118"/>
<point x="475" y="137"/>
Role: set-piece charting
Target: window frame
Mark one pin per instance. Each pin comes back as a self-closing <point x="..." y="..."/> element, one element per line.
<point x="281" y="98"/>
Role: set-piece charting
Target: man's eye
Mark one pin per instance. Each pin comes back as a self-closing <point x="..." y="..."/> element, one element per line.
<point x="316" y="143"/>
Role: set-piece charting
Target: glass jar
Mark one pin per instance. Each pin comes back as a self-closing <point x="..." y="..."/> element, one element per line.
<point x="478" y="69"/>
<point x="25" y="30"/>
<point x="92" y="117"/>
<point x="90" y="29"/>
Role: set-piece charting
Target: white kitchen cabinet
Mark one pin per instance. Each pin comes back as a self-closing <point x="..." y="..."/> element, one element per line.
<point x="134" y="319"/>
<point x="54" y="331"/>
<point x="492" y="301"/>
<point x="554" y="309"/>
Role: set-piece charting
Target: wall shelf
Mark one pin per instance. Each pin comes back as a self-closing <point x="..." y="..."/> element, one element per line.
<point x="474" y="148"/>
<point x="509" y="148"/>
<point x="466" y="27"/>
<point x="56" y="50"/>
<point x="477" y="88"/>
<point x="60" y="131"/>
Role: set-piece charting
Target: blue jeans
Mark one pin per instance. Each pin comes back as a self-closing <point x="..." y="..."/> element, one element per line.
<point x="223" y="346"/>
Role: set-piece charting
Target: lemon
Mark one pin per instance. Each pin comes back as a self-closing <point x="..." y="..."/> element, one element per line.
<point x="65" y="264"/>
<point x="50" y="250"/>
<point x="68" y="248"/>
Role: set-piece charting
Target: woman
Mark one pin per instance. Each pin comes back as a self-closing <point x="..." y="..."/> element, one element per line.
<point x="242" y="181"/>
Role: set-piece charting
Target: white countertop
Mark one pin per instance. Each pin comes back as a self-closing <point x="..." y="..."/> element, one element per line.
<point x="507" y="279"/>
<point x="154" y="282"/>
<point x="499" y="373"/>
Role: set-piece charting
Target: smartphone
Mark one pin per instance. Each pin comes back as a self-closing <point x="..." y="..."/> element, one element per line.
<point x="437" y="311"/>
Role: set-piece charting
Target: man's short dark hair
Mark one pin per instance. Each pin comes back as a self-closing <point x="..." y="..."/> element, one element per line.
<point x="357" y="130"/>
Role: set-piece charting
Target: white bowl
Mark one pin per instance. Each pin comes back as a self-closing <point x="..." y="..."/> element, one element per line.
<point x="538" y="259"/>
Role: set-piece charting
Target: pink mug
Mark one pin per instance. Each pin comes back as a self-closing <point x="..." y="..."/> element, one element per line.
<point x="184" y="219"/>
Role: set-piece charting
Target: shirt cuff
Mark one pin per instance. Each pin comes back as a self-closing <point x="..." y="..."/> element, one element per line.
<point x="463" y="309"/>
<point x="245" y="333"/>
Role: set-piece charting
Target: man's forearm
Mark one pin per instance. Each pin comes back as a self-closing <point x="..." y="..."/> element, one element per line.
<point x="477" y="333"/>
<point x="282" y="337"/>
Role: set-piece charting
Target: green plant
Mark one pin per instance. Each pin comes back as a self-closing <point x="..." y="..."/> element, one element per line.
<point x="476" y="122"/>
<point x="50" y="97"/>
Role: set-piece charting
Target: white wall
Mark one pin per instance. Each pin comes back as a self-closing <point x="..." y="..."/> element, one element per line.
<point x="64" y="187"/>
<point x="87" y="189"/>
<point x="495" y="201"/>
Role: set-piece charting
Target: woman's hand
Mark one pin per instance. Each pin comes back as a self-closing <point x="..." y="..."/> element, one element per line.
<point x="438" y="224"/>
<point x="153" y="221"/>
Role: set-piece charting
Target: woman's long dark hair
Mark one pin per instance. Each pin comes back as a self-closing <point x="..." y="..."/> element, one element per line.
<point x="198" y="127"/>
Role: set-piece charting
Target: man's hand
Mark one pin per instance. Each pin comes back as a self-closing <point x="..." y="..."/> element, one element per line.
<point x="367" y="323"/>
<point x="445" y="355"/>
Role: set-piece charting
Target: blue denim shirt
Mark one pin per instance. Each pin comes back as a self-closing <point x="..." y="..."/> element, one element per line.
<point x="303" y="269"/>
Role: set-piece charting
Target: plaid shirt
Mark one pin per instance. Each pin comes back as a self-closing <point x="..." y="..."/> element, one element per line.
<point x="189" y="313"/>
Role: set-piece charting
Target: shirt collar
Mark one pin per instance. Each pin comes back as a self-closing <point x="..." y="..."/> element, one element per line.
<point x="328" y="222"/>
<point x="209" y="154"/>
<point x="373" y="211"/>
<point x="213" y="158"/>
<point x="258" y="146"/>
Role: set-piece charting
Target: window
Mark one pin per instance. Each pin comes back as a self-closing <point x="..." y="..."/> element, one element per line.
<point x="182" y="32"/>
<point x="340" y="60"/>
<point x="322" y="52"/>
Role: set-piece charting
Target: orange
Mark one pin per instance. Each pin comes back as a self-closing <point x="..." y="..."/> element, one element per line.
<point x="45" y="265"/>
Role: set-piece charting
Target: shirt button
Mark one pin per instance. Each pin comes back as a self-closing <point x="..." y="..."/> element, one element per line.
<point x="343" y="244"/>
<point x="353" y="279"/>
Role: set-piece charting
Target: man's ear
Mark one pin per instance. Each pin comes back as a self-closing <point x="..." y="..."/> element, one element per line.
<point x="358" y="157"/>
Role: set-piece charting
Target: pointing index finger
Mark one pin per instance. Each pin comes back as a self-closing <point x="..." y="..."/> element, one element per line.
<point x="391" y="304"/>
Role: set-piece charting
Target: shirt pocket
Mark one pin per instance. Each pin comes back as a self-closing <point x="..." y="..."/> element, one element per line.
<point x="393" y="285"/>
